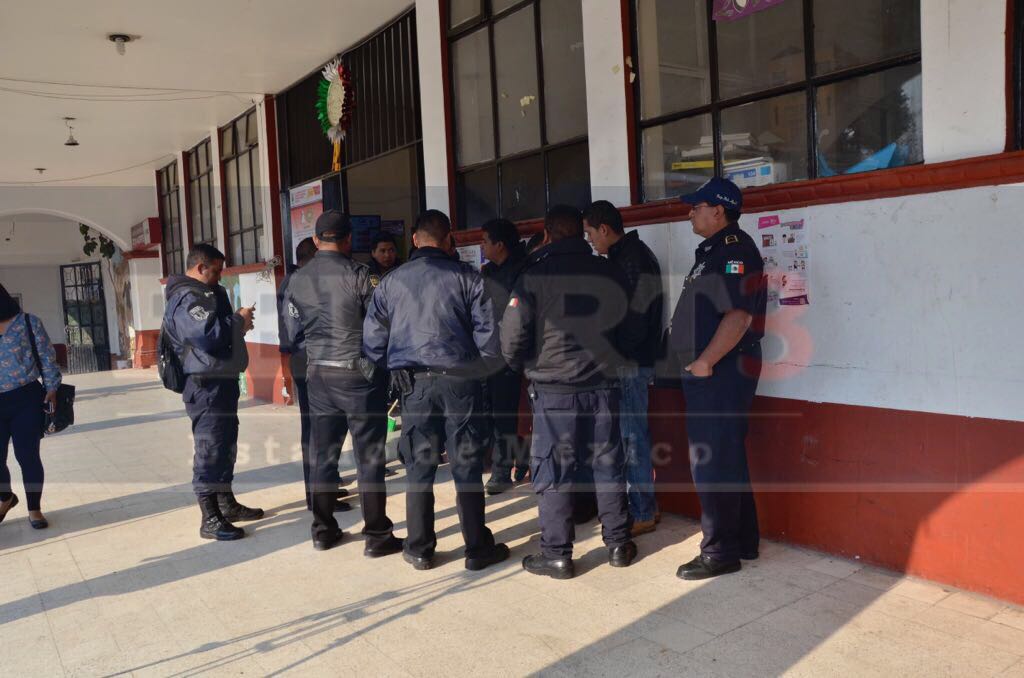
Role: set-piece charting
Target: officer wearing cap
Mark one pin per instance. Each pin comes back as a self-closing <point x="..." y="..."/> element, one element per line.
<point x="431" y="324"/>
<point x="326" y="301"/>
<point x="564" y="324"/>
<point x="209" y="338"/>
<point x="716" y="332"/>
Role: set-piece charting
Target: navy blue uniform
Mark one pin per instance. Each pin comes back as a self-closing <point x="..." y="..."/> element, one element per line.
<point x="728" y="275"/>
<point x="432" y="319"/>
<point x="563" y="323"/>
<point x="209" y="339"/>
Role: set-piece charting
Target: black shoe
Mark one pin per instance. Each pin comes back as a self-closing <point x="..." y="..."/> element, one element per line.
<point x="14" y="502"/>
<point x="498" y="484"/>
<point x="389" y="472"/>
<point x="703" y="567"/>
<point x="419" y="562"/>
<point x="750" y="555"/>
<point x="328" y="541"/>
<point x="556" y="568"/>
<point x="342" y="492"/>
<point x="622" y="556"/>
<point x="234" y="512"/>
<point x="520" y="474"/>
<point x="497" y="555"/>
<point x="214" y="525"/>
<point x="392" y="545"/>
<point x="342" y="506"/>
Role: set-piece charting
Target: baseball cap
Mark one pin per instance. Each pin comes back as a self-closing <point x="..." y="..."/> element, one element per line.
<point x="716" y="191"/>
<point x="333" y="221"/>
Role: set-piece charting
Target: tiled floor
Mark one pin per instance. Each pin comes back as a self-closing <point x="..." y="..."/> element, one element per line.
<point x="121" y="583"/>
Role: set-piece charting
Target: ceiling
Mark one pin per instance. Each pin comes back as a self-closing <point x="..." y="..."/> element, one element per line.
<point x="40" y="240"/>
<point x="198" y="64"/>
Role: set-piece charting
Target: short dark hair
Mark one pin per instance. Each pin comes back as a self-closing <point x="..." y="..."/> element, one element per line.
<point x="8" y="305"/>
<point x="732" y="216"/>
<point x="563" y="221"/>
<point x="434" y="224"/>
<point x="503" y="231"/>
<point x="304" y="251"/>
<point x="603" y="212"/>
<point x="203" y="254"/>
<point x="383" y="237"/>
<point x="534" y="242"/>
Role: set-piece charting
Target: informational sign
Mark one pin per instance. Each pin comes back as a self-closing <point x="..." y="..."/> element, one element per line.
<point x="785" y="248"/>
<point x="364" y="229"/>
<point x="472" y="255"/>
<point x="306" y="204"/>
<point x="731" y="10"/>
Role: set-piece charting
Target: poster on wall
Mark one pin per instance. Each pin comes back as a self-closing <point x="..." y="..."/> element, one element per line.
<point x="472" y="255"/>
<point x="364" y="229"/>
<point x="306" y="204"/>
<point x="731" y="10"/>
<point x="785" y="249"/>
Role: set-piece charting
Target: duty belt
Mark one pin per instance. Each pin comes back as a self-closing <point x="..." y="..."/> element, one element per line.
<point x="340" y="364"/>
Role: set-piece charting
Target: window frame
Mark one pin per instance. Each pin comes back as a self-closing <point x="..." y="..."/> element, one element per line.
<point x="169" y="244"/>
<point x="210" y="207"/>
<point x="223" y="160"/>
<point x="809" y="85"/>
<point x="485" y="22"/>
<point x="1015" y="71"/>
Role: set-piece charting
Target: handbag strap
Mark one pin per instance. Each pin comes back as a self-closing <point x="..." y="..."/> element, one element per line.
<point x="35" y="351"/>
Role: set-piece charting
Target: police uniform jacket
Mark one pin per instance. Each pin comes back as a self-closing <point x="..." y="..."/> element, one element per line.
<point x="564" y="321"/>
<point x="727" y="275"/>
<point x="432" y="312"/>
<point x="643" y="329"/>
<point x="325" y="303"/>
<point x="207" y="334"/>
<point x="500" y="279"/>
<point x="286" y="344"/>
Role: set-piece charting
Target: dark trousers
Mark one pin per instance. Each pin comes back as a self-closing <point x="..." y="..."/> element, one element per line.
<point x="22" y="420"/>
<point x="297" y="364"/>
<point x="343" y="401"/>
<point x="509" y="449"/>
<point x="212" y="405"/>
<point x="577" y="448"/>
<point x="444" y="412"/>
<point x="717" y="414"/>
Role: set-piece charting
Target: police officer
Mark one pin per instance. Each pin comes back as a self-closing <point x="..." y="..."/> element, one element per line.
<point x="432" y="324"/>
<point x="297" y="363"/>
<point x="209" y="340"/>
<point x="716" y="331"/>
<point x="564" y="323"/>
<point x="326" y="301"/>
<point x="603" y="225"/>
<point x="505" y="256"/>
<point x="383" y="255"/>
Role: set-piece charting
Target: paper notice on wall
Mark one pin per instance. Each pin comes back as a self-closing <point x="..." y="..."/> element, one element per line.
<point x="305" y="206"/>
<point x="472" y="255"/>
<point x="785" y="249"/>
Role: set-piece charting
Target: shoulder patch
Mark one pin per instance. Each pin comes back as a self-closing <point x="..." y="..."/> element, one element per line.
<point x="292" y="311"/>
<point x="374" y="279"/>
<point x="198" y="313"/>
<point x="735" y="267"/>
<point x="731" y="239"/>
<point x="513" y="302"/>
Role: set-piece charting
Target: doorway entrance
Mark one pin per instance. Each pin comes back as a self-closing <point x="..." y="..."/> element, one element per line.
<point x="85" y="318"/>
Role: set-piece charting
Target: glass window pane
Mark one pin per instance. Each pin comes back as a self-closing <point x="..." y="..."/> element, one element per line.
<point x="569" y="176"/>
<point x="227" y="146"/>
<point x="474" y="112"/>
<point x="231" y="194"/>
<point x="211" y="216"/>
<point x="522" y="188"/>
<point x="257" y="189"/>
<point x="766" y="142"/>
<point x="761" y="50"/>
<point x="501" y="5"/>
<point x="477" y="197"/>
<point x="245" y="196"/>
<point x="252" y="137"/>
<point x="874" y="30"/>
<point x="515" y="62"/>
<point x="565" y="88"/>
<point x="462" y="11"/>
<point x="872" y="122"/>
<point x="197" y="212"/>
<point x="672" y="46"/>
<point x="248" y="247"/>
<point x="236" y="249"/>
<point x="677" y="157"/>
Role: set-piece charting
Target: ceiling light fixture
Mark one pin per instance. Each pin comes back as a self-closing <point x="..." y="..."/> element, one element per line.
<point x="72" y="141"/>
<point x="40" y="169"/>
<point x="120" y="40"/>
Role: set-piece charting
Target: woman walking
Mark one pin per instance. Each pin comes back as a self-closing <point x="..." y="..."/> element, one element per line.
<point x="23" y="402"/>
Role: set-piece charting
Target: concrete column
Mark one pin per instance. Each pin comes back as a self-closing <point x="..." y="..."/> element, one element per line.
<point x="432" y="92"/>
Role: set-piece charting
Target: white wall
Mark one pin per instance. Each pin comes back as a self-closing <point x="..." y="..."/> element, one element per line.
<point x="435" y="136"/>
<point x="913" y="304"/>
<point x="147" y="294"/>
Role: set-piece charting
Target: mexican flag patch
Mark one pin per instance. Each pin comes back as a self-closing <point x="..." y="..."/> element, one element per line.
<point x="734" y="267"/>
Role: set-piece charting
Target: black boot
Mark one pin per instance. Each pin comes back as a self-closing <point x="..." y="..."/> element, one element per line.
<point x="235" y="512"/>
<point x="556" y="568"/>
<point x="214" y="525"/>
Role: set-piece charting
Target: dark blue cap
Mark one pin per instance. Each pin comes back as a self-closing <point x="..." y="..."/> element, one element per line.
<point x="716" y="191"/>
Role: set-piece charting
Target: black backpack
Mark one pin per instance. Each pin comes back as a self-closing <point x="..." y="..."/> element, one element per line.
<point x="168" y="364"/>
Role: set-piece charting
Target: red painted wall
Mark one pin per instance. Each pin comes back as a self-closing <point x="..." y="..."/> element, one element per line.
<point x="939" y="496"/>
<point x="145" y="348"/>
<point x="265" y="376"/>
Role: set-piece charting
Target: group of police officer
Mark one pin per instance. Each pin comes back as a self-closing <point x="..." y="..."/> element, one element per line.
<point x="453" y="344"/>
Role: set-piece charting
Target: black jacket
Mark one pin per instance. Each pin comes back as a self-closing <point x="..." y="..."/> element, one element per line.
<point x="285" y="343"/>
<point x="499" y="280"/>
<point x="206" y="333"/>
<point x="564" y="320"/>
<point x="325" y="303"/>
<point x="433" y="312"/>
<point x="643" y="332"/>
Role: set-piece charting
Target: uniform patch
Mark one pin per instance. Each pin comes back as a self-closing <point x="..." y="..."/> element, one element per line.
<point x="734" y="267"/>
<point x="374" y="279"/>
<point x="731" y="239"/>
<point x="292" y="311"/>
<point x="513" y="303"/>
<point x="198" y="313"/>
